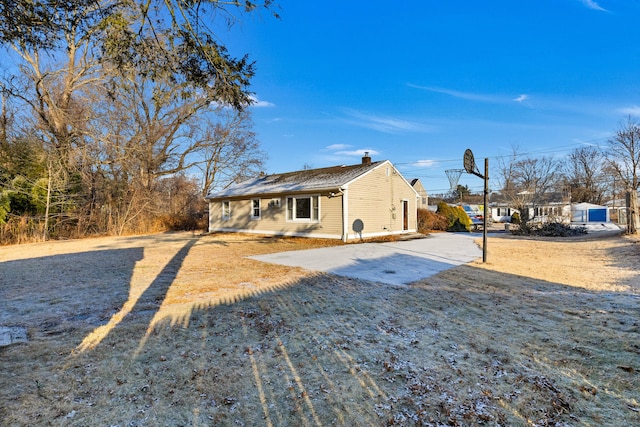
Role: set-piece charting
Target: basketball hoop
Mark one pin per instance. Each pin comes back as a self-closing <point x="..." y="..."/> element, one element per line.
<point x="470" y="164"/>
<point x="454" y="177"/>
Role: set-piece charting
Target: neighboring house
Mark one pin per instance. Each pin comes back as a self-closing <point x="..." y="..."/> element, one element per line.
<point x="542" y="213"/>
<point x="502" y="212"/>
<point x="423" y="201"/>
<point x="553" y="206"/>
<point x="342" y="202"/>
<point x="588" y="212"/>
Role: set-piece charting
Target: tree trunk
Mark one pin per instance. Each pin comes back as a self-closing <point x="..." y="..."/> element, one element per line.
<point x="45" y="232"/>
<point x="633" y="222"/>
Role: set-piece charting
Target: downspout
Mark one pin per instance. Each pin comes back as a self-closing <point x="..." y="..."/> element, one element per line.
<point x="418" y="203"/>
<point x="345" y="214"/>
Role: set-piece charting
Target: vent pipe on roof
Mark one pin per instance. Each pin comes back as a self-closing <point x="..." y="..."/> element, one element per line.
<point x="366" y="160"/>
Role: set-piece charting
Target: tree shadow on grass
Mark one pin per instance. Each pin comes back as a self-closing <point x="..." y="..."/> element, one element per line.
<point x="48" y="294"/>
<point x="464" y="347"/>
<point x="142" y="303"/>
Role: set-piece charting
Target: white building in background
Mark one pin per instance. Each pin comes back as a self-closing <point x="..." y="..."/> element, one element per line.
<point x="584" y="213"/>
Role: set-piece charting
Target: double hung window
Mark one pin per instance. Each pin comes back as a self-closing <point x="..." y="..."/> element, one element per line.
<point x="226" y="209"/>
<point x="255" y="209"/>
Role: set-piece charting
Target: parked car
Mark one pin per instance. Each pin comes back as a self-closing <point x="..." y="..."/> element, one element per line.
<point x="476" y="215"/>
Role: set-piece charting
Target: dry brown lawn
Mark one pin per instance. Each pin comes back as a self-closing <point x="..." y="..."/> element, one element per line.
<point x="184" y="330"/>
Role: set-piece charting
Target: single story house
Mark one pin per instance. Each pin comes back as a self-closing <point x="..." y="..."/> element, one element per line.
<point x="577" y="213"/>
<point x="342" y="202"/>
<point x="553" y="206"/>
<point x="502" y="212"/>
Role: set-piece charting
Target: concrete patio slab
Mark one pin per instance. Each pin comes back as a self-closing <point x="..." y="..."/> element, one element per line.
<point x="396" y="263"/>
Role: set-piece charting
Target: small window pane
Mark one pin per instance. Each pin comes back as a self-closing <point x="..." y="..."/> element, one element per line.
<point x="303" y="208"/>
<point x="289" y="208"/>
<point x="315" y="208"/>
<point x="226" y="209"/>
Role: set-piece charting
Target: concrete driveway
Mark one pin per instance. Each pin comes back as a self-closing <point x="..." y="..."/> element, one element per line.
<point x="396" y="263"/>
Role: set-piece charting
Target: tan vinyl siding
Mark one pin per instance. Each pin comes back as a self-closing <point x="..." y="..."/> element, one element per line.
<point x="215" y="215"/>
<point x="273" y="218"/>
<point x="331" y="215"/>
<point x="376" y="200"/>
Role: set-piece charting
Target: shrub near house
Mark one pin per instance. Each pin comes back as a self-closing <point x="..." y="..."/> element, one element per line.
<point x="428" y="221"/>
<point x="457" y="218"/>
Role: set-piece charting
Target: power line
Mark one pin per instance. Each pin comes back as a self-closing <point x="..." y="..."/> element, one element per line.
<point x="440" y="164"/>
<point x="558" y="149"/>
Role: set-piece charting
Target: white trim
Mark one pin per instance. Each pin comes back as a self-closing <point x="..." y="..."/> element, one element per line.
<point x="356" y="236"/>
<point x="353" y="236"/>
<point x="384" y="163"/>
<point x="362" y="175"/>
<point x="275" y="233"/>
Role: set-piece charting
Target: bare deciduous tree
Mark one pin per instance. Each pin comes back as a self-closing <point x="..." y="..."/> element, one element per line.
<point x="623" y="156"/>
<point x="505" y="175"/>
<point x="528" y="182"/>
<point x="535" y="178"/>
<point x="230" y="152"/>
<point x="584" y="173"/>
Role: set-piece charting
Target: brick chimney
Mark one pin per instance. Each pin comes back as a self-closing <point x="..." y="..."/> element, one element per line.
<point x="366" y="160"/>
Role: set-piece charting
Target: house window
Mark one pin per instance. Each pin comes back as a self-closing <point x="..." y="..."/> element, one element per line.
<point x="305" y="208"/>
<point x="255" y="209"/>
<point x="504" y="212"/>
<point x="226" y="209"/>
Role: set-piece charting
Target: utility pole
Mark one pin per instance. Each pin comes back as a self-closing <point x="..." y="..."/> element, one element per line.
<point x="486" y="208"/>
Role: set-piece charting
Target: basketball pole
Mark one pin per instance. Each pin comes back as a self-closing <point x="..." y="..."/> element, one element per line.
<point x="470" y="167"/>
<point x="486" y="206"/>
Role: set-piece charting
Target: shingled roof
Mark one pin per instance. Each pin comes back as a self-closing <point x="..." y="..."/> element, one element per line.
<point x="324" y="179"/>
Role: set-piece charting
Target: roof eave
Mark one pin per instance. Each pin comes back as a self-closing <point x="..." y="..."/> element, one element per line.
<point x="274" y="194"/>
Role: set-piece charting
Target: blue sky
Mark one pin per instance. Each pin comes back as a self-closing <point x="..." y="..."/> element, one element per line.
<point x="419" y="82"/>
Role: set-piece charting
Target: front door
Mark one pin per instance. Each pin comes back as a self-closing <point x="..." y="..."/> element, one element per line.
<point x="405" y="215"/>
